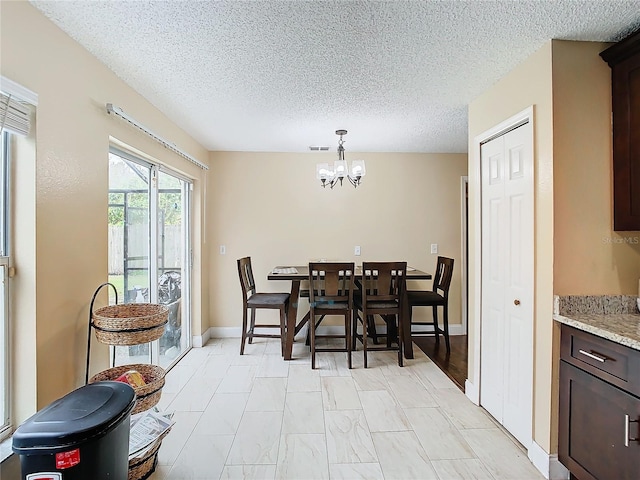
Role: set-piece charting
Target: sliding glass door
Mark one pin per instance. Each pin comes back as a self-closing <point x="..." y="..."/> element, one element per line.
<point x="174" y="260"/>
<point x="149" y="250"/>
<point x="5" y="337"/>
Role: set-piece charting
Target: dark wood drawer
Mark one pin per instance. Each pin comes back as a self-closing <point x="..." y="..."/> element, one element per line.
<point x="610" y="361"/>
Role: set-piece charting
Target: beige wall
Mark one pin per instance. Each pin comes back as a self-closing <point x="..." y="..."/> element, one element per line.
<point x="589" y="257"/>
<point x="407" y="202"/>
<point x="576" y="250"/>
<point x="528" y="84"/>
<point x="64" y="191"/>
<point x="271" y="207"/>
<point x="23" y="244"/>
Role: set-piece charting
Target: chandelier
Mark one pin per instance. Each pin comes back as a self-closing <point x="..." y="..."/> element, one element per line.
<point x="330" y="174"/>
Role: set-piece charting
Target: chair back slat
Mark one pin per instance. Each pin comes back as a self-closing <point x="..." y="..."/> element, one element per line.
<point x="383" y="282"/>
<point x="331" y="282"/>
<point x="442" y="276"/>
<point x="246" y="277"/>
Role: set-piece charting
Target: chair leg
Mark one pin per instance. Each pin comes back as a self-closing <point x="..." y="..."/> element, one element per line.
<point x="354" y="331"/>
<point x="283" y="329"/>
<point x="436" y="329"/>
<point x="445" y="320"/>
<point x="244" y="330"/>
<point x="392" y="330"/>
<point x="307" y="343"/>
<point x="372" y="325"/>
<point x="364" y="338"/>
<point x="400" y="344"/>
<point x="253" y="325"/>
<point x="347" y="335"/>
<point x="312" y="331"/>
<point x="410" y="315"/>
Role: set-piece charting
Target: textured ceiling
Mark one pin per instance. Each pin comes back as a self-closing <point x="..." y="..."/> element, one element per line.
<point x="284" y="75"/>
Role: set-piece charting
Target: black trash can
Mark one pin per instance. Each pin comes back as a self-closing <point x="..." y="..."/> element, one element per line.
<point x="82" y="436"/>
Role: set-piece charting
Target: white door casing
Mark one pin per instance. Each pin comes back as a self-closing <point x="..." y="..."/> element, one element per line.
<point x="464" y="255"/>
<point x="507" y="276"/>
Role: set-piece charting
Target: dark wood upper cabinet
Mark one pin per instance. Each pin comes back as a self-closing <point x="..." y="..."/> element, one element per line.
<point x="624" y="60"/>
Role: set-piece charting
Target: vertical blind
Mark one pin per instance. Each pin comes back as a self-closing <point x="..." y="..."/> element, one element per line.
<point x="14" y="115"/>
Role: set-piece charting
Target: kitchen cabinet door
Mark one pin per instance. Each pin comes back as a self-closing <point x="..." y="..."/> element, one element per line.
<point x="624" y="60"/>
<point x="597" y="423"/>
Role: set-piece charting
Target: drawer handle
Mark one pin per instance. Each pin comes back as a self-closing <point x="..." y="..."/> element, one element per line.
<point x="594" y="356"/>
<point x="626" y="431"/>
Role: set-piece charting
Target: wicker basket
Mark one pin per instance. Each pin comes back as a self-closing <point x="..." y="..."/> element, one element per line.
<point x="148" y="395"/>
<point x="130" y="323"/>
<point x="141" y="468"/>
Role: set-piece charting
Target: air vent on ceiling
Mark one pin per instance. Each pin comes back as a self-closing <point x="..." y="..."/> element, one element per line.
<point x="317" y="148"/>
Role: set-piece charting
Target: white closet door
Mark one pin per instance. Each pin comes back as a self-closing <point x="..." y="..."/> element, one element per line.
<point x="506" y="370"/>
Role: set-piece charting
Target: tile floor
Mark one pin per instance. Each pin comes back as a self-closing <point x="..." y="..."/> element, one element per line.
<point x="257" y="416"/>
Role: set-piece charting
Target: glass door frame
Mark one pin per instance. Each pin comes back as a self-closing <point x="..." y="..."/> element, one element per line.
<point x="5" y="264"/>
<point x="153" y="246"/>
<point x="186" y="254"/>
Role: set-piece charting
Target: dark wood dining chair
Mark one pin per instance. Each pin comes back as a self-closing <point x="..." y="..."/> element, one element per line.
<point x="331" y="286"/>
<point x="381" y="293"/>
<point x="251" y="301"/>
<point x="437" y="297"/>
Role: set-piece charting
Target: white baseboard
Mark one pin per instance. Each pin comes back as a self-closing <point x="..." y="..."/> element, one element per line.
<point x="456" y="330"/>
<point x="547" y="464"/>
<point x="453" y="329"/>
<point x="225" y="332"/>
<point x="236" y="332"/>
<point x="471" y="392"/>
<point x="380" y="329"/>
<point x="557" y="471"/>
<point x="199" y="341"/>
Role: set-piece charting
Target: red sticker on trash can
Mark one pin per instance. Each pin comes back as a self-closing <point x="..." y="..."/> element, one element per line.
<point x="67" y="459"/>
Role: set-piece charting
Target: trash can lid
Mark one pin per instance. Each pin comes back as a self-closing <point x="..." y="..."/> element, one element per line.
<point x="81" y="415"/>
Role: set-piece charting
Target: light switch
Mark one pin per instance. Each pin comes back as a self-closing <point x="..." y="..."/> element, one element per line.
<point x="223" y="250"/>
<point x="356" y="250"/>
<point x="434" y="248"/>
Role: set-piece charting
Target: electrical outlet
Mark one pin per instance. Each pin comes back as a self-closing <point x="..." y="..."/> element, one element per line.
<point x="356" y="250"/>
<point x="434" y="248"/>
<point x="223" y="250"/>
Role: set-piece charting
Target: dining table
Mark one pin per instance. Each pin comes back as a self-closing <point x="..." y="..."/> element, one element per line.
<point x="296" y="274"/>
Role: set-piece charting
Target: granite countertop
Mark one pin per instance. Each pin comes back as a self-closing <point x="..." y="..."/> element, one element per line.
<point x="614" y="317"/>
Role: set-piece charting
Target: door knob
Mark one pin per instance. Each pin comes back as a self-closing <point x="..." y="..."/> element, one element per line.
<point x="516" y="302"/>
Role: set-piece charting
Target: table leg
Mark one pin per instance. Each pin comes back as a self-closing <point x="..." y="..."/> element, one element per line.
<point x="406" y="327"/>
<point x="292" y="316"/>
